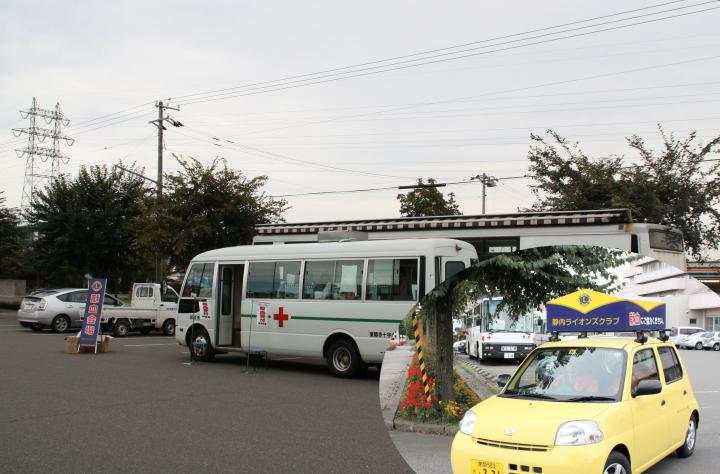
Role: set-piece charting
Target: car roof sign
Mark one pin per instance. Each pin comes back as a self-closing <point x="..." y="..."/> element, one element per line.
<point x="589" y="310"/>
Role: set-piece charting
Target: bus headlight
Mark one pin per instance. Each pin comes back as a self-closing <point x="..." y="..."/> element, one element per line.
<point x="578" y="433"/>
<point x="467" y="424"/>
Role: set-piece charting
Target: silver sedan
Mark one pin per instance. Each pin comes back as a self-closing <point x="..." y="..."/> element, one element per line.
<point x="58" y="310"/>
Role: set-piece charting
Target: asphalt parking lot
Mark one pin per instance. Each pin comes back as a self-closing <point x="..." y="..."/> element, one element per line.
<point x="144" y="407"/>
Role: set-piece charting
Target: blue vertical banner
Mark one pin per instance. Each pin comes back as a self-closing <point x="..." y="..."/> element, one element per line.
<point x="93" y="311"/>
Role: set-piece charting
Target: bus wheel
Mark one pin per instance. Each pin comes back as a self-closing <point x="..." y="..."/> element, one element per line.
<point x="200" y="348"/>
<point x="343" y="359"/>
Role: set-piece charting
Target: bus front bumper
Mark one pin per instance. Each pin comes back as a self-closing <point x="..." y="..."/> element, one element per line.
<point x="506" y="350"/>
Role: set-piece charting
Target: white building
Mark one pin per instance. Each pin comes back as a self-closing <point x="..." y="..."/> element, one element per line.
<point x="689" y="302"/>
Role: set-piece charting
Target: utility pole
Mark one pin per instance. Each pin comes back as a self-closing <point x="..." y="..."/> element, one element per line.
<point x="487" y="181"/>
<point x="160" y="127"/>
<point x="42" y="162"/>
<point x="159" y="124"/>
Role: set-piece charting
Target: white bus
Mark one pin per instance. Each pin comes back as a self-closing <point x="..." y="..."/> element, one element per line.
<point x="494" y="335"/>
<point x="340" y="301"/>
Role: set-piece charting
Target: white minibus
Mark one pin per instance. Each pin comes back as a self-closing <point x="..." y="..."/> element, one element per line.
<point x="342" y="301"/>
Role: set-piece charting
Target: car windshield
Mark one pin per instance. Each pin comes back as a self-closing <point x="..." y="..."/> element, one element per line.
<point x="570" y="374"/>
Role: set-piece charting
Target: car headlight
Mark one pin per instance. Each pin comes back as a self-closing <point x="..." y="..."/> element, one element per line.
<point x="578" y="433"/>
<point x="467" y="424"/>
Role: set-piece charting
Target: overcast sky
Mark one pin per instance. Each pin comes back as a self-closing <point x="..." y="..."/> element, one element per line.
<point x="449" y="120"/>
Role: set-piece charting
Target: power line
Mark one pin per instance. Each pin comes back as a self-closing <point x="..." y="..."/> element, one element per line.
<point x="391" y="67"/>
<point x="373" y="66"/>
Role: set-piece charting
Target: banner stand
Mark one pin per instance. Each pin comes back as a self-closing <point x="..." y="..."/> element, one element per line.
<point x="91" y="328"/>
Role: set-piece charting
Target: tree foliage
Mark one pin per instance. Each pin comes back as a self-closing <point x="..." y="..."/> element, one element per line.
<point x="427" y="202"/>
<point x="205" y="208"/>
<point x="525" y="280"/>
<point x="673" y="186"/>
<point x="13" y="243"/>
<point x="88" y="225"/>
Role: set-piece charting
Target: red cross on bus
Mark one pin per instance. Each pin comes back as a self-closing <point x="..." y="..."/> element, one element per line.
<point x="280" y="317"/>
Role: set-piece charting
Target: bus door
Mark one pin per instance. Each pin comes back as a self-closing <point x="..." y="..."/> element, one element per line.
<point x="229" y="317"/>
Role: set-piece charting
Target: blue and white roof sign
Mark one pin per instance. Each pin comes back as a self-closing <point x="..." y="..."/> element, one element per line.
<point x="588" y="310"/>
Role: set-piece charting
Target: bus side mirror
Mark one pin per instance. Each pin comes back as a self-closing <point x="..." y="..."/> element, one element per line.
<point x="502" y="379"/>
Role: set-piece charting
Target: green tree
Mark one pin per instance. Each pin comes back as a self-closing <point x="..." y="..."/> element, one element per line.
<point x="205" y="208"/>
<point x="427" y="202"/>
<point x="88" y="225"/>
<point x="673" y="186"/>
<point x="525" y="280"/>
<point x="13" y="243"/>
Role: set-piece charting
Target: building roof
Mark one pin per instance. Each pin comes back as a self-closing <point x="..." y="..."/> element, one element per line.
<point x="523" y="219"/>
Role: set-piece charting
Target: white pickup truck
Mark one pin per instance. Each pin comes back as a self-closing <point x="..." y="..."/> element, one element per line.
<point x="150" y="308"/>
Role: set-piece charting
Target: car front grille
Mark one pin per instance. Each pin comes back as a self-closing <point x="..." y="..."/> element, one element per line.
<point x="521" y="468"/>
<point x="516" y="446"/>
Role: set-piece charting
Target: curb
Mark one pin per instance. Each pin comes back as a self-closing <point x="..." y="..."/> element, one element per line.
<point x="396" y="391"/>
<point x="425" y="428"/>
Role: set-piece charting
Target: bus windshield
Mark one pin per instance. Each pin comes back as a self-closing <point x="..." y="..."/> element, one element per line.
<point x="501" y="321"/>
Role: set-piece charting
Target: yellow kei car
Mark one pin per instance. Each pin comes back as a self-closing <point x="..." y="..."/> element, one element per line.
<point x="605" y="405"/>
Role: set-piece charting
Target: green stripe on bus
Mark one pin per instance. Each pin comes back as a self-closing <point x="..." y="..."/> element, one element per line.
<point x="320" y="318"/>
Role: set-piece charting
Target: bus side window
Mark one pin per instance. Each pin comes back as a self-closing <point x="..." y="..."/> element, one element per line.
<point x="392" y="279"/>
<point x="273" y="280"/>
<point x="347" y="284"/>
<point x="317" y="281"/>
<point x="260" y="279"/>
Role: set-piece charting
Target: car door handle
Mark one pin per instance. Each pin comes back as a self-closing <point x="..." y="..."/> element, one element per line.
<point x="662" y="403"/>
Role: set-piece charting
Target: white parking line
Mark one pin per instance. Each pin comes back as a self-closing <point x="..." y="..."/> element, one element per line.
<point x="143" y="345"/>
<point x="707" y="391"/>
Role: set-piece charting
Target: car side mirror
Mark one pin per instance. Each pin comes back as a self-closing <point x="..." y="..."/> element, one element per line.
<point x="502" y="379"/>
<point x="647" y="387"/>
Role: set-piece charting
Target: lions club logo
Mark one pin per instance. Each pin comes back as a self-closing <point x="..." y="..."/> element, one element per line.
<point x="584" y="299"/>
<point x="96" y="286"/>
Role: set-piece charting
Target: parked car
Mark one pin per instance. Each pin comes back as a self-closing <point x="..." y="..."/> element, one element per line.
<point x="693" y="341"/>
<point x="595" y="405"/>
<point x="712" y="341"/>
<point x="59" y="309"/>
<point x="677" y="332"/>
<point x="460" y="346"/>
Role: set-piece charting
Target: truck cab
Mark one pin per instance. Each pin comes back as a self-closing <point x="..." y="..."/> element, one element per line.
<point x="152" y="306"/>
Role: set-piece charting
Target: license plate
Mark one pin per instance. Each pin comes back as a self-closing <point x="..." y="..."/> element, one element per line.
<point x="508" y="348"/>
<point x="486" y="467"/>
<point x="509" y="355"/>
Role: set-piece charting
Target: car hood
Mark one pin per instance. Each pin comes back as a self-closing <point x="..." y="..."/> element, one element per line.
<point x="524" y="421"/>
